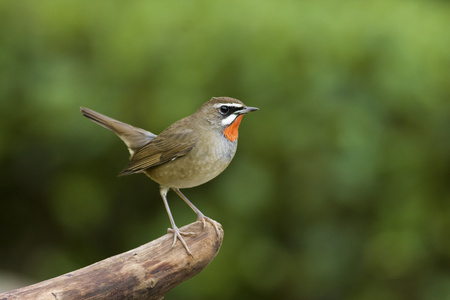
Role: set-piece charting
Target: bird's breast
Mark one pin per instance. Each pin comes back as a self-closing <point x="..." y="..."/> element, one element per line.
<point x="205" y="161"/>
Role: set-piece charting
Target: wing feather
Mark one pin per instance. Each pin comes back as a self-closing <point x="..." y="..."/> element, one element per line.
<point x="162" y="149"/>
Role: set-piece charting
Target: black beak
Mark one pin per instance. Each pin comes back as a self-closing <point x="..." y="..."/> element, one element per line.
<point x="247" y="110"/>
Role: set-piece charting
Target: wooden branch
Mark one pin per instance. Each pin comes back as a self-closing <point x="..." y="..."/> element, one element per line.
<point x="147" y="272"/>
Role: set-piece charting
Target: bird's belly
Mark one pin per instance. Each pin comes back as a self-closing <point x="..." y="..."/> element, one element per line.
<point x="194" y="169"/>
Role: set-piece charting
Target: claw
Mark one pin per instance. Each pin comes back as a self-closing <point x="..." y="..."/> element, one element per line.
<point x="200" y="216"/>
<point x="205" y="219"/>
<point x="177" y="234"/>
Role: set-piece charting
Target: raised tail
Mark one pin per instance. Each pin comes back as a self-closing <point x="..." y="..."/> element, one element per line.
<point x="135" y="138"/>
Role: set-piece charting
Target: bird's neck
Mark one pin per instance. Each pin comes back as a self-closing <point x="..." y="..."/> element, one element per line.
<point x="231" y="132"/>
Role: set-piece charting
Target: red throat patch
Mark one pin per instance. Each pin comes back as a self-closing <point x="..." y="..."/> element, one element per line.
<point x="231" y="132"/>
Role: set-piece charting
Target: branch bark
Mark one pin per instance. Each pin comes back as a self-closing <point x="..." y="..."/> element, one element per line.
<point x="146" y="272"/>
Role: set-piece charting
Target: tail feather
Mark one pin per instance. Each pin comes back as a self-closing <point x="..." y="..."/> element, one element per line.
<point x="135" y="138"/>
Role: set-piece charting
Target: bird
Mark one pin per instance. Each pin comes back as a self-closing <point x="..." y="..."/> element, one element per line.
<point x="188" y="153"/>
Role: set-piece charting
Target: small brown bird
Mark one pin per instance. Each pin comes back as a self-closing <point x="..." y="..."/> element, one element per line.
<point x="186" y="154"/>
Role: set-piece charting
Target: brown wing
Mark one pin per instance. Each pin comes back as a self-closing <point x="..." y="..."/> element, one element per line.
<point x="164" y="148"/>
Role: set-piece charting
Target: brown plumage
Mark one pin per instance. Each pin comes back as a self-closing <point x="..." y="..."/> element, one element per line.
<point x="188" y="153"/>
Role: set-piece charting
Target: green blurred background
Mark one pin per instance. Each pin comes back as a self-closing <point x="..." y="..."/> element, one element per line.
<point x="340" y="188"/>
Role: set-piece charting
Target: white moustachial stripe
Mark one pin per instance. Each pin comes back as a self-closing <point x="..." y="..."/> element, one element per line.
<point x="229" y="120"/>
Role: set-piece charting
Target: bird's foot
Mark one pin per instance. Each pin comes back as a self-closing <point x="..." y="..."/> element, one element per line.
<point x="204" y="219"/>
<point x="177" y="234"/>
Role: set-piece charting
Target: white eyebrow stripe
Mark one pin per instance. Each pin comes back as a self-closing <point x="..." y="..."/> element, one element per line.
<point x="228" y="104"/>
<point x="229" y="120"/>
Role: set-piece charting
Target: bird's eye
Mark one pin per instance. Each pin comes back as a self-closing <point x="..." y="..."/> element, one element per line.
<point x="224" y="109"/>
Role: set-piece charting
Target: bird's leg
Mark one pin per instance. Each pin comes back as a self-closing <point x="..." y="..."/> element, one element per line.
<point x="177" y="234"/>
<point x="200" y="216"/>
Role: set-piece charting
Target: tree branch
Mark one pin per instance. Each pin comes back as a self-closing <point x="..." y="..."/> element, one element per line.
<point x="146" y="272"/>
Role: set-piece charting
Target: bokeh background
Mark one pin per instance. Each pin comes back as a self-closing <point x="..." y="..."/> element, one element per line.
<point x="340" y="188"/>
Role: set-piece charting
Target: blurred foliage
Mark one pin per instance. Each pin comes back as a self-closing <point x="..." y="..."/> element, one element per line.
<point x="340" y="188"/>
